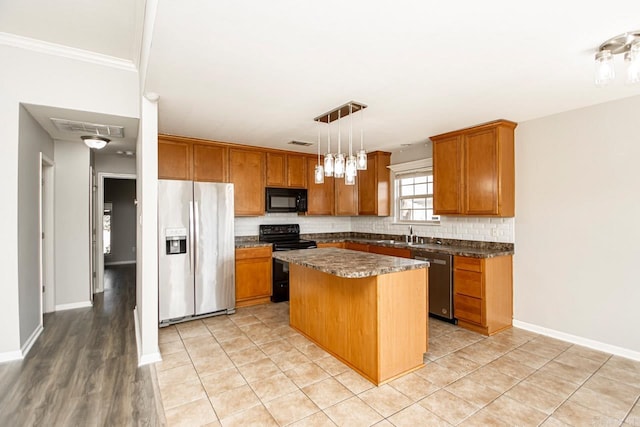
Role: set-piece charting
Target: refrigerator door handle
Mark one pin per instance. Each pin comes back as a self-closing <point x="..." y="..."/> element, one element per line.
<point x="191" y="240"/>
<point x="196" y="222"/>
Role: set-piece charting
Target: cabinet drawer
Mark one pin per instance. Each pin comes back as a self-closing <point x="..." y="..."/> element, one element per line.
<point x="248" y="253"/>
<point x="467" y="308"/>
<point x="331" y="245"/>
<point x="468" y="283"/>
<point x="466" y="263"/>
<point x="357" y="246"/>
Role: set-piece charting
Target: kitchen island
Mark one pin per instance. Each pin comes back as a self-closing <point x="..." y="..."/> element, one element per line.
<point x="368" y="310"/>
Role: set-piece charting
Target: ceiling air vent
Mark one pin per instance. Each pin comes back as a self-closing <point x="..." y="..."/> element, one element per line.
<point x="92" y="128"/>
<point x="301" y="143"/>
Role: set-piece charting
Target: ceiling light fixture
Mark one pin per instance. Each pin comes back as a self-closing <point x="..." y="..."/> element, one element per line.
<point x="95" y="141"/>
<point x="627" y="43"/>
<point x="337" y="165"/>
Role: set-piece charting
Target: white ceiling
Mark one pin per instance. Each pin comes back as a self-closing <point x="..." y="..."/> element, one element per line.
<point x="258" y="72"/>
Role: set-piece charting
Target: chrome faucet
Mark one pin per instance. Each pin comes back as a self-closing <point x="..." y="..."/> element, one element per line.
<point x="409" y="238"/>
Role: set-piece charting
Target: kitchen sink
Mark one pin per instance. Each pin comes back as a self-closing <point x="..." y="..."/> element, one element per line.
<point x="391" y="242"/>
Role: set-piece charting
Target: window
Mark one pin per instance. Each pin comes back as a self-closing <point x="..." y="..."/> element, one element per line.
<point x="414" y="197"/>
<point x="106" y="229"/>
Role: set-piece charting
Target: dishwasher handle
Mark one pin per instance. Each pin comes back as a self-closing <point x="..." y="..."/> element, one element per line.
<point x="431" y="260"/>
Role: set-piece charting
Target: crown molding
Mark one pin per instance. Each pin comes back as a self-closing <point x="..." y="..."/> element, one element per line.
<point x="65" y="51"/>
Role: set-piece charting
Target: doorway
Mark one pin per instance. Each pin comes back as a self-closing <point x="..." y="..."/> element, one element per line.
<point x="45" y="249"/>
<point x="115" y="223"/>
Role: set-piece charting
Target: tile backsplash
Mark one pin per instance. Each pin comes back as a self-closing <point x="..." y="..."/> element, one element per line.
<point x="460" y="228"/>
<point x="248" y="226"/>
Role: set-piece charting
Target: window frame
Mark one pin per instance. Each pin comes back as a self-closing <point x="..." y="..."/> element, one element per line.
<point x="406" y="170"/>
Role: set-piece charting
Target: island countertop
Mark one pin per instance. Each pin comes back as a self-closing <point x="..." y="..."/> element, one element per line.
<point x="347" y="263"/>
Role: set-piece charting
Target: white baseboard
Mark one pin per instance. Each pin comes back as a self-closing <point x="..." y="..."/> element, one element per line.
<point x="143" y="359"/>
<point x="10" y="356"/>
<point x="83" y="304"/>
<point x="31" y="340"/>
<point x="119" y="263"/>
<point x="575" y="339"/>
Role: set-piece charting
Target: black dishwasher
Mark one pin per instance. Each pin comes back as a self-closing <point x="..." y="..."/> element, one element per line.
<point x="440" y="284"/>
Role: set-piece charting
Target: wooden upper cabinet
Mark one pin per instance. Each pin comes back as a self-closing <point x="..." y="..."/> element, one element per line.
<point x="286" y="170"/>
<point x="296" y="171"/>
<point x="481" y="173"/>
<point x="374" y="185"/>
<point x="346" y="198"/>
<point x="247" y="173"/>
<point x="210" y="163"/>
<point x="320" y="197"/>
<point x="447" y="177"/>
<point x="276" y="170"/>
<point x="474" y="171"/>
<point x="174" y="159"/>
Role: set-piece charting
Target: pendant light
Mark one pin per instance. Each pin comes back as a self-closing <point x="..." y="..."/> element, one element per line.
<point x="350" y="167"/>
<point x="361" y="157"/>
<point x="328" y="158"/>
<point x="319" y="170"/>
<point x="338" y="162"/>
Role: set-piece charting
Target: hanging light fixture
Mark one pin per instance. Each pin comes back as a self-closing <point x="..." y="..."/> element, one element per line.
<point x="336" y="164"/>
<point x="627" y="43"/>
<point x="338" y="161"/>
<point x="319" y="170"/>
<point x="361" y="157"/>
<point x="350" y="167"/>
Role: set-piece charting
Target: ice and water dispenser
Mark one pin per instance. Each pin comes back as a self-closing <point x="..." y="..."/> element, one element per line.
<point x="176" y="240"/>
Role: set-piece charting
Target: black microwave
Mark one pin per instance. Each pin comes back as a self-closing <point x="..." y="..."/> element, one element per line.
<point x="286" y="199"/>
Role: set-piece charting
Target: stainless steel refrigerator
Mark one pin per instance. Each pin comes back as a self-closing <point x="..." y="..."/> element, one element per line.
<point x="196" y="250"/>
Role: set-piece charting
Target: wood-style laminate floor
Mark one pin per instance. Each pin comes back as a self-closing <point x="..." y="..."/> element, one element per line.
<point x="82" y="370"/>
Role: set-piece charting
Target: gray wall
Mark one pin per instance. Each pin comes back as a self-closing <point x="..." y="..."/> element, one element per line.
<point x="114" y="163"/>
<point x="578" y="204"/>
<point x="32" y="140"/>
<point x="122" y="194"/>
<point x="72" y="240"/>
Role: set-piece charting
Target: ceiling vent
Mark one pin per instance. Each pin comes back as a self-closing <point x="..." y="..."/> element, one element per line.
<point x="91" y="128"/>
<point x="301" y="143"/>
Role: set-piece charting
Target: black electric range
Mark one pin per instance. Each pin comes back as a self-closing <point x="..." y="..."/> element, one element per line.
<point x="284" y="237"/>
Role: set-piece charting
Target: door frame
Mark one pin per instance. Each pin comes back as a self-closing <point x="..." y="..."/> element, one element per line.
<point x="98" y="219"/>
<point x="46" y="244"/>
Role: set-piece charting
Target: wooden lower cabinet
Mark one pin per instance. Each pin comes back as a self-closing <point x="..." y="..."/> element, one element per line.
<point x="331" y="245"/>
<point x="384" y="250"/>
<point x="356" y="246"/>
<point x="483" y="293"/>
<point x="376" y="325"/>
<point x="253" y="276"/>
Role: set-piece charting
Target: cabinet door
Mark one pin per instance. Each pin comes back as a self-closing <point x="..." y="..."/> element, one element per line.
<point x="346" y="198"/>
<point x="331" y="245"/>
<point x="276" y="170"/>
<point x="447" y="176"/>
<point x="210" y="163"/>
<point x="253" y="276"/>
<point x="174" y="160"/>
<point x="374" y="185"/>
<point x="246" y="172"/>
<point x="320" y="197"/>
<point x="296" y="171"/>
<point x="481" y="172"/>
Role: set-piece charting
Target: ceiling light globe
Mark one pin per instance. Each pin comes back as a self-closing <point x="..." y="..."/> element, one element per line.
<point x="338" y="165"/>
<point x="328" y="164"/>
<point x="318" y="174"/>
<point x="361" y="160"/>
<point x="605" y="71"/>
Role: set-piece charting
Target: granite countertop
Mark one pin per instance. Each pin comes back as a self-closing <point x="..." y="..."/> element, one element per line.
<point x="249" y="242"/>
<point x="347" y="263"/>
<point x="450" y="248"/>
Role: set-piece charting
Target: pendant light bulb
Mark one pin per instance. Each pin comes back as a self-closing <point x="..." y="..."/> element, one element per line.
<point x="328" y="158"/>
<point x="361" y="155"/>
<point x="349" y="180"/>
<point x="605" y="71"/>
<point x="318" y="173"/>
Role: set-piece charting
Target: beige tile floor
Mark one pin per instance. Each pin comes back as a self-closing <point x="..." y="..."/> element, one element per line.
<point x="251" y="368"/>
